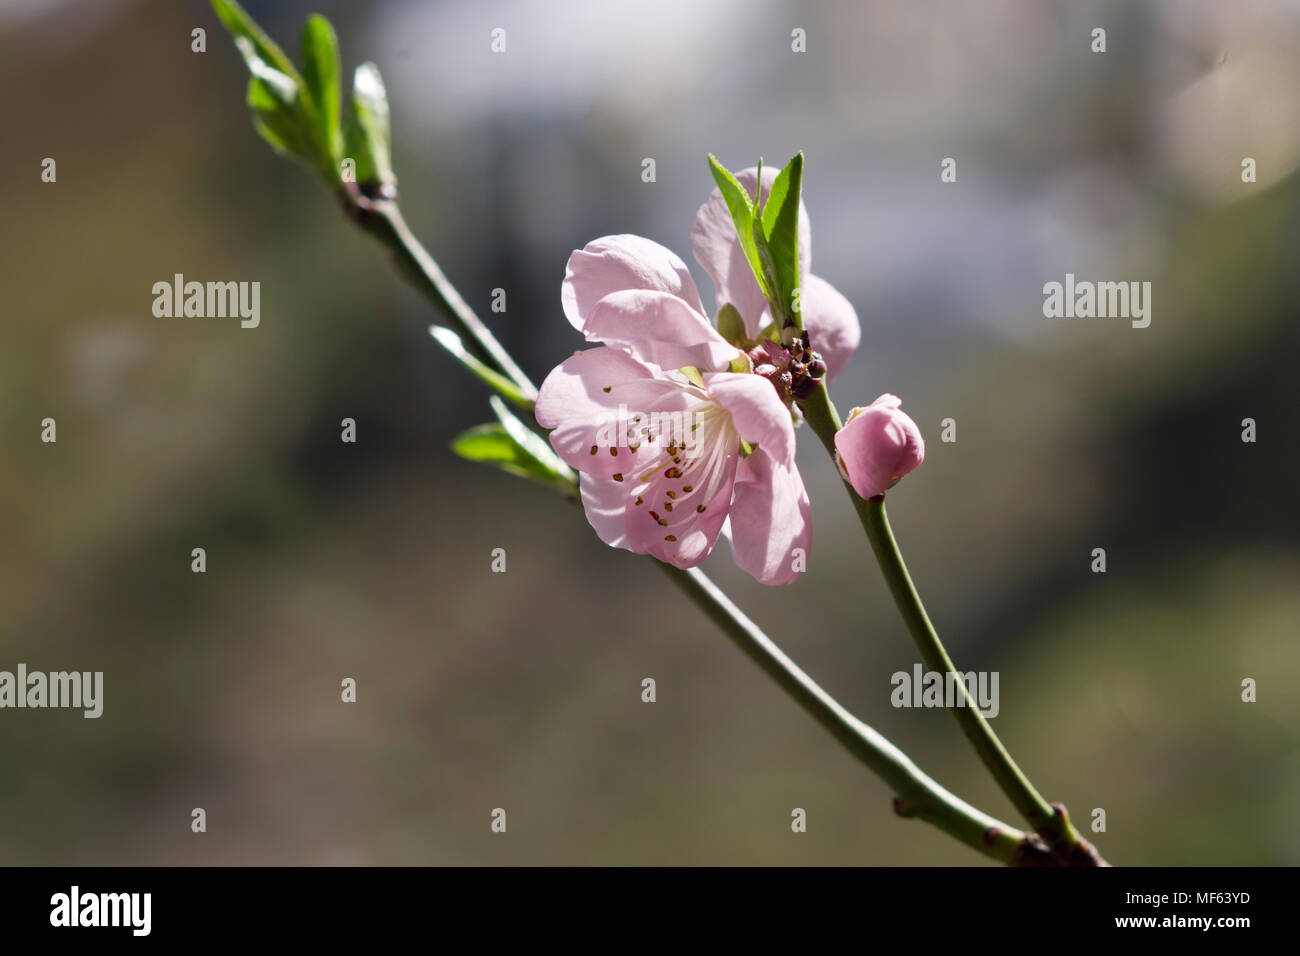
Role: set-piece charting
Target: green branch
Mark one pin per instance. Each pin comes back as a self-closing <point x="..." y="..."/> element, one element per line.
<point x="1050" y="822"/>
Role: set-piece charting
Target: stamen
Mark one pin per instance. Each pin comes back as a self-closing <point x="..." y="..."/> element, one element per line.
<point x="618" y="477"/>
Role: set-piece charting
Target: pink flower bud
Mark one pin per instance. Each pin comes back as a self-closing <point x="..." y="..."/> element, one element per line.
<point x="877" y="446"/>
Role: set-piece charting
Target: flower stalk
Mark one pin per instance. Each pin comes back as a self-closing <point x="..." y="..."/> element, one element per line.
<point x="918" y="795"/>
<point x="1050" y="822"/>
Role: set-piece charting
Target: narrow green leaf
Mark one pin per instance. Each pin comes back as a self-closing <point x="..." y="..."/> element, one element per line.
<point x="491" y="444"/>
<point x="278" y="84"/>
<point x="320" y="50"/>
<point x="767" y="270"/>
<point x="450" y="341"/>
<point x="741" y="208"/>
<point x="368" y="135"/>
<point x="498" y="444"/>
<point x="277" y="123"/>
<point x="239" y="24"/>
<point x="781" y="231"/>
<point x="533" y="445"/>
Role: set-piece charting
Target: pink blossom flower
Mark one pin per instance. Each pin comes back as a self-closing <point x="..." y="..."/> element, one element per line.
<point x="878" y="445"/>
<point x="620" y="263"/>
<point x="828" y="317"/>
<point x="669" y="442"/>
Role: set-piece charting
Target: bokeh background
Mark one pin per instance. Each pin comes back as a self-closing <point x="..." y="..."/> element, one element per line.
<point x="522" y="690"/>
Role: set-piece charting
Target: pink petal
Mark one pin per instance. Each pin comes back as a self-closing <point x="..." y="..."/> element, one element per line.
<point x="658" y="327"/>
<point x="615" y="263"/>
<point x="606" y="501"/>
<point x="581" y="401"/>
<point x="695" y="532"/>
<point x="757" y="412"/>
<point x="717" y="249"/>
<point x="878" y="445"/>
<point x="831" y="323"/>
<point x="770" y="518"/>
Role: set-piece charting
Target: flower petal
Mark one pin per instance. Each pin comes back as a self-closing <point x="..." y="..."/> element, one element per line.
<point x="771" y="519"/>
<point x="606" y="502"/>
<point x="658" y="327"/>
<point x="757" y="412"/>
<point x="717" y="249"/>
<point x="582" y="400"/>
<point x="614" y="263"/>
<point x="831" y="323"/>
<point x="681" y="527"/>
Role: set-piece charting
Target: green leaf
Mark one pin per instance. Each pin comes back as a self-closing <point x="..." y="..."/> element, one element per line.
<point x="533" y="444"/>
<point x="368" y="138"/>
<point x="509" y="445"/>
<point x="280" y="85"/>
<point x="732" y="327"/>
<point x="320" y="50"/>
<point x="277" y="123"/>
<point x="239" y="24"/>
<point x="450" y="341"/>
<point x="491" y="444"/>
<point x="780" y="221"/>
<point x="741" y="208"/>
<point x="284" y="112"/>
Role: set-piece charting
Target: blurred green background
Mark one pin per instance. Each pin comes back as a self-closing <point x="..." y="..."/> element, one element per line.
<point x="479" y="690"/>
